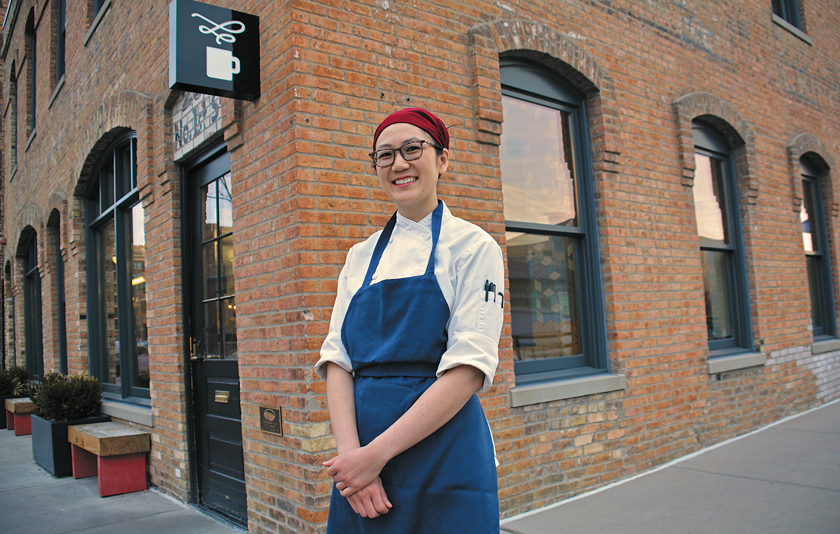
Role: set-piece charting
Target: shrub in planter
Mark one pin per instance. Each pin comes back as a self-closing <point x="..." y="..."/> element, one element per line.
<point x="62" y="401"/>
<point x="14" y="382"/>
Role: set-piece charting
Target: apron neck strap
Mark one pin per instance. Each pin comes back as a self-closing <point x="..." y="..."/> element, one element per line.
<point x="385" y="236"/>
<point x="437" y="217"/>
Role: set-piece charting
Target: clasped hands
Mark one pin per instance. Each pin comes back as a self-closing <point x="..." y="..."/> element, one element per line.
<point x="356" y="476"/>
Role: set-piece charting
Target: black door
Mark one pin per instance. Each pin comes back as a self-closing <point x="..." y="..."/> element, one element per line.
<point x="213" y="354"/>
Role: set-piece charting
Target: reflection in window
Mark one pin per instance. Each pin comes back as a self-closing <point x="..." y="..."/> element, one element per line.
<point x="789" y="11"/>
<point x="721" y="257"/>
<point x="34" y="339"/>
<point x="117" y="300"/>
<point x="548" y="221"/>
<point x="710" y="200"/>
<point x="539" y="187"/>
<point x="814" y="243"/>
<point x="538" y="167"/>
<point x="219" y="302"/>
<point x="713" y="228"/>
<point x="138" y="296"/>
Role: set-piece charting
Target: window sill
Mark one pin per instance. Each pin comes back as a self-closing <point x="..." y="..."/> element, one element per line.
<point x="58" y="87"/>
<point x="29" y="141"/>
<point x="566" y="389"/>
<point x="792" y="29"/>
<point x="738" y="361"/>
<point x="828" y="345"/>
<point x="142" y="415"/>
<point x="99" y="16"/>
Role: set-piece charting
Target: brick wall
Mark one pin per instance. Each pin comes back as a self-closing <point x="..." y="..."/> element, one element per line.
<point x="304" y="192"/>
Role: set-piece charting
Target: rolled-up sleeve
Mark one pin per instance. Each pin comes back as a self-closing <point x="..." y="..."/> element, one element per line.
<point x="333" y="349"/>
<point x="477" y="311"/>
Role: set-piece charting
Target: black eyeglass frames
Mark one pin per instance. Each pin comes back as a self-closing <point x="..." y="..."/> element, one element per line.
<point x="411" y="150"/>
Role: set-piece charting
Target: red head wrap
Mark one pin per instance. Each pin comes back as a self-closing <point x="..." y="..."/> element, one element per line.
<point x="421" y="118"/>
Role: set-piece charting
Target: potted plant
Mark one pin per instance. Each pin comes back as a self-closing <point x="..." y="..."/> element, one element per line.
<point x="62" y="401"/>
<point x="14" y="382"/>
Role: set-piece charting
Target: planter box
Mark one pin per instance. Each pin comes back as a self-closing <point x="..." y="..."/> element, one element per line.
<point x="3" y="405"/>
<point x="50" y="448"/>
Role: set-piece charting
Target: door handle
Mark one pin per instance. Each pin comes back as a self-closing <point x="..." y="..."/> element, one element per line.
<point x="194" y="355"/>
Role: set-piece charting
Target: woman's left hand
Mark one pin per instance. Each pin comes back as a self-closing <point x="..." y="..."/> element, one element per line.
<point x="354" y="469"/>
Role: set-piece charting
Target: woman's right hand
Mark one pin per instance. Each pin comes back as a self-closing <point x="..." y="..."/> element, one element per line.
<point x="371" y="501"/>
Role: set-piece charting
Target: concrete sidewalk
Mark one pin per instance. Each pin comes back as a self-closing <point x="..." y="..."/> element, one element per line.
<point x="784" y="478"/>
<point x="32" y="501"/>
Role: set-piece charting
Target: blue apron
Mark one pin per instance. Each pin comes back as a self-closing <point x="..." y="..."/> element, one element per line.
<point x="395" y="334"/>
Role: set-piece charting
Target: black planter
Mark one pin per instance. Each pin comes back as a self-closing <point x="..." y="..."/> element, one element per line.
<point x="3" y="409"/>
<point x="50" y="447"/>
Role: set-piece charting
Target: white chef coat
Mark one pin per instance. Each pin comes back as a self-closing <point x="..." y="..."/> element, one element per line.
<point x="467" y="262"/>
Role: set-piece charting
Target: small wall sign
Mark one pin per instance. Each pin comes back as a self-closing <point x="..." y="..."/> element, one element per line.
<point x="271" y="420"/>
<point x="213" y="50"/>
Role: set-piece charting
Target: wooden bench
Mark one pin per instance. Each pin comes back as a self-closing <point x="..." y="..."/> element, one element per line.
<point x="19" y="415"/>
<point x="114" y="452"/>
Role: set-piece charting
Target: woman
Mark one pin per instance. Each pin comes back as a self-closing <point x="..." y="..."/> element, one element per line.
<point x="414" y="335"/>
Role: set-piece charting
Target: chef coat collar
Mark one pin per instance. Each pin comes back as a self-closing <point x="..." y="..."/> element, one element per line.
<point x="422" y="230"/>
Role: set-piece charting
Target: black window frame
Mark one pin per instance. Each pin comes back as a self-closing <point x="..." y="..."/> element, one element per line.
<point x="60" y="300"/>
<point x="788" y="10"/>
<point x="60" y="39"/>
<point x="98" y="216"/>
<point x="708" y="141"/>
<point x="32" y="310"/>
<point x="535" y="84"/>
<point x="824" y="291"/>
<point x="32" y="70"/>
<point x="13" y="92"/>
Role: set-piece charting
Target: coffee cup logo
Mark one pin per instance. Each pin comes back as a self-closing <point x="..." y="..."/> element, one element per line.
<point x="221" y="64"/>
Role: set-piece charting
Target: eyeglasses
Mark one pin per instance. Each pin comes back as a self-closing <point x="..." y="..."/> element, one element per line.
<point x="409" y="151"/>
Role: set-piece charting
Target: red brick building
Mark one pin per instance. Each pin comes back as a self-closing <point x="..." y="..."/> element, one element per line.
<point x="660" y="176"/>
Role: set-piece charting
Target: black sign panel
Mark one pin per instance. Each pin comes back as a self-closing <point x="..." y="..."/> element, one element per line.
<point x="213" y="50"/>
<point x="271" y="420"/>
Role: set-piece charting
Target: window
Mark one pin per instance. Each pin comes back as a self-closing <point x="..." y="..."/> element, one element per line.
<point x="97" y="5"/>
<point x="815" y="243"/>
<point x="60" y="37"/>
<point x="31" y="45"/>
<point x="33" y="333"/>
<point x="721" y="249"/>
<point x="60" y="314"/>
<point x="116" y="260"/>
<point x="13" y="120"/>
<point x="788" y="10"/>
<point x="556" y="294"/>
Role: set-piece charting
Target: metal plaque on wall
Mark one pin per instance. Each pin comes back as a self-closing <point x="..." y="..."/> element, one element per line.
<point x="213" y="50"/>
<point x="271" y="420"/>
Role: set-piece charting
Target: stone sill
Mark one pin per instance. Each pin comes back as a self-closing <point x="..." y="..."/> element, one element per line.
<point x="102" y="10"/>
<point x="566" y="389"/>
<point x="792" y="29"/>
<point x="142" y="415"/>
<point x="829" y="345"/>
<point x="57" y="89"/>
<point x="724" y="364"/>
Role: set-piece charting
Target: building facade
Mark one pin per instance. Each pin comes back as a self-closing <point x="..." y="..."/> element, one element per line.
<point x="660" y="176"/>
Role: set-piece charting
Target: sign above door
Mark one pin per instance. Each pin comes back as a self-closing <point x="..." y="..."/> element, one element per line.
<point x="213" y="50"/>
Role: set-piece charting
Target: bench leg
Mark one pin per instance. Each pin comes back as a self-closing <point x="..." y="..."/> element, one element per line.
<point x="10" y="420"/>
<point x="121" y="474"/>
<point x="23" y="424"/>
<point x="84" y="462"/>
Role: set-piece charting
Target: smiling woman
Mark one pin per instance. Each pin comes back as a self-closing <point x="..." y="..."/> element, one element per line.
<point x="414" y="335"/>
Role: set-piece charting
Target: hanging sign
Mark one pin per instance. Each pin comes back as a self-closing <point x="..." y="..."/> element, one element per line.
<point x="213" y="50"/>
